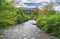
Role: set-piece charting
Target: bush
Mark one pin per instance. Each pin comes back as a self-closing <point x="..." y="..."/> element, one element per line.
<point x="50" y="24"/>
<point x="10" y="15"/>
<point x="22" y="17"/>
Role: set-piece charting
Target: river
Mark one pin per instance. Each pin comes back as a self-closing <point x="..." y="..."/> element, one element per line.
<point x="27" y="30"/>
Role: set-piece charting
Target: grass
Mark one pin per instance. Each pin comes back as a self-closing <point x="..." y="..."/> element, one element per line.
<point x="50" y="24"/>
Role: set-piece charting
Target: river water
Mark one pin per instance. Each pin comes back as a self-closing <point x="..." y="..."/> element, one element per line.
<point x="27" y="30"/>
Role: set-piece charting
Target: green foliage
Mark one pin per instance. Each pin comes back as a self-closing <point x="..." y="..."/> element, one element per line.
<point x="22" y="17"/>
<point x="50" y="24"/>
<point x="10" y="15"/>
<point x="2" y="3"/>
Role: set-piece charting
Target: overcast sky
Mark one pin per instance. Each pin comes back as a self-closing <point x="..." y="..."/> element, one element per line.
<point x="35" y="1"/>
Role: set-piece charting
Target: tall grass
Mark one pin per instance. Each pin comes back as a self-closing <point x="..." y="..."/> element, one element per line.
<point x="10" y="15"/>
<point x="49" y="23"/>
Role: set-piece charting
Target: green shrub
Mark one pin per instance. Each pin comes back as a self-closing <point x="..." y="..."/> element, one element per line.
<point x="10" y="15"/>
<point x="50" y="24"/>
<point x="22" y="17"/>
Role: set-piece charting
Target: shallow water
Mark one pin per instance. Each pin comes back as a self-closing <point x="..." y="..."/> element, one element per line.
<point x="26" y="31"/>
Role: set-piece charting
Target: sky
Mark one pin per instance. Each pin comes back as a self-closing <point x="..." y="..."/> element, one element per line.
<point x="34" y="1"/>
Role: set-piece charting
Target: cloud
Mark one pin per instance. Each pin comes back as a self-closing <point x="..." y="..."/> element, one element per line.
<point x="23" y="5"/>
<point x="57" y="8"/>
<point x="43" y="0"/>
<point x="34" y="1"/>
